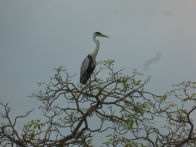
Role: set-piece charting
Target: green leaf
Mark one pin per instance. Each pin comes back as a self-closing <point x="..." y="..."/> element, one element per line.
<point x="128" y="145"/>
<point x="136" y="122"/>
<point x="164" y="97"/>
<point x="131" y="125"/>
<point x="38" y="126"/>
<point x="26" y="127"/>
<point x="32" y="135"/>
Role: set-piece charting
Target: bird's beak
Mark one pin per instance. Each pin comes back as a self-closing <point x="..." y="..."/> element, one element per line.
<point x="105" y="35"/>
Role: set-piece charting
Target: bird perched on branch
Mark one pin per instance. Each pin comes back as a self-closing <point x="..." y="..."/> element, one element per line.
<point x="89" y="63"/>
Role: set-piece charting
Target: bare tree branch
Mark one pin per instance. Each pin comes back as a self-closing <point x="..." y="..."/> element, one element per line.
<point x="115" y="105"/>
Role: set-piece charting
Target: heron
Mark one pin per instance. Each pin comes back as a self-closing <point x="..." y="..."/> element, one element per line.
<point x="89" y="63"/>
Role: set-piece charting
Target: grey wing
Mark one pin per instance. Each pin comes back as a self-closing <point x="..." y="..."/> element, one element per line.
<point x="84" y="66"/>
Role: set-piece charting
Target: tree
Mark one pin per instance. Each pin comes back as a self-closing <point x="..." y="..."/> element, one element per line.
<point x="113" y="105"/>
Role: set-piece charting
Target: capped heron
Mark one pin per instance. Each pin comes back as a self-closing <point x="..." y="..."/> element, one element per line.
<point x="89" y="63"/>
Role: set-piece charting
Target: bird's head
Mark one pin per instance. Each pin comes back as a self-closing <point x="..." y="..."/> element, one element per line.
<point x="100" y="35"/>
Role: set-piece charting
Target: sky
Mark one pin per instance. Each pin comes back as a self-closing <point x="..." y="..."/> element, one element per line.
<point x="37" y="36"/>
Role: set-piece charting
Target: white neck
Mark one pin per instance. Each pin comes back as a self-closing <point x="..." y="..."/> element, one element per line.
<point x="94" y="53"/>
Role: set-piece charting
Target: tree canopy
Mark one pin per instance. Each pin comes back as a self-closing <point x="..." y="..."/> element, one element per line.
<point x="112" y="109"/>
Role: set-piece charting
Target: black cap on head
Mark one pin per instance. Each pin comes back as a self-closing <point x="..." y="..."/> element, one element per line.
<point x="98" y="33"/>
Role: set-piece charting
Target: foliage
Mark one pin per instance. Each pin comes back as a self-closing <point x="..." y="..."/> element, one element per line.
<point x="113" y="104"/>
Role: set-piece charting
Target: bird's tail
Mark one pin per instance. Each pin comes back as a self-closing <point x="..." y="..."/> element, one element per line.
<point x="83" y="80"/>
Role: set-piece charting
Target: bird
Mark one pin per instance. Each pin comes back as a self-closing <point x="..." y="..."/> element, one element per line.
<point x="89" y="63"/>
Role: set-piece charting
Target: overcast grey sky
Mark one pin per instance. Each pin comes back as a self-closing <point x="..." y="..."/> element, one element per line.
<point x="38" y="35"/>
